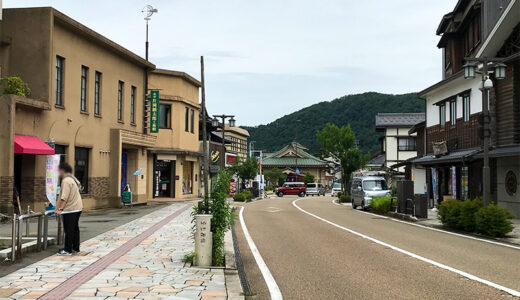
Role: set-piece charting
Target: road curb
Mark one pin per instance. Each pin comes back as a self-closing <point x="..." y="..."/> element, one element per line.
<point x="233" y="285"/>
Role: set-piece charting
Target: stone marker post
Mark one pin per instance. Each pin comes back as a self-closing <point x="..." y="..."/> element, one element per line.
<point x="203" y="240"/>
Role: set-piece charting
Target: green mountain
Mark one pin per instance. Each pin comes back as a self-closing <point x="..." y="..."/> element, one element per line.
<point x="357" y="110"/>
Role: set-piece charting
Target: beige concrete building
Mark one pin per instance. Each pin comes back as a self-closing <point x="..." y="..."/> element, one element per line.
<point x="175" y="159"/>
<point x="238" y="146"/>
<point x="87" y="98"/>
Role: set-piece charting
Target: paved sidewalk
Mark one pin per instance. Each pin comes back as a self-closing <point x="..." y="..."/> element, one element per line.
<point x="153" y="269"/>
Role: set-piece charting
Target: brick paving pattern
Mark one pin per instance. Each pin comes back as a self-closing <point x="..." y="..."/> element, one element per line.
<point x="153" y="269"/>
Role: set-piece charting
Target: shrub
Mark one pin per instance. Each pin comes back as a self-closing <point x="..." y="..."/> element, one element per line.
<point x="381" y="205"/>
<point x="449" y="212"/>
<point x="345" y="199"/>
<point x="14" y="85"/>
<point x="339" y="194"/>
<point x="247" y="194"/>
<point x="493" y="220"/>
<point x="269" y="188"/>
<point x="222" y="215"/>
<point x="468" y="211"/>
<point x="239" y="197"/>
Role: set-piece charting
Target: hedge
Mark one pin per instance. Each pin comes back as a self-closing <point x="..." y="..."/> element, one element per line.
<point x="381" y="205"/>
<point x="472" y="216"/>
<point x="345" y="199"/>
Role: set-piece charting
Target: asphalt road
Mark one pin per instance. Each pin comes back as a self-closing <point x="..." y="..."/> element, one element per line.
<point x="312" y="259"/>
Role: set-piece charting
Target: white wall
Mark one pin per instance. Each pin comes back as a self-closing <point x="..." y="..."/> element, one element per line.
<point x="448" y="90"/>
<point x="419" y="180"/>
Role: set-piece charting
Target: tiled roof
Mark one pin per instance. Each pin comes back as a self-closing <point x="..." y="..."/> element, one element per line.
<point x="384" y="120"/>
<point x="306" y="159"/>
<point x="378" y="160"/>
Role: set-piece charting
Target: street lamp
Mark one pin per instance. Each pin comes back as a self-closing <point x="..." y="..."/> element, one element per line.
<point x="489" y="66"/>
<point x="469" y="70"/>
<point x="148" y="11"/>
<point x="500" y="71"/>
<point x="215" y="122"/>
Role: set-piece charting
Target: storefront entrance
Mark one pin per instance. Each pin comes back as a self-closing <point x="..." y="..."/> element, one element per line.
<point x="164" y="179"/>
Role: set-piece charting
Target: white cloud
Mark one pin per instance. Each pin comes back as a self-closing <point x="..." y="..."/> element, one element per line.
<point x="268" y="58"/>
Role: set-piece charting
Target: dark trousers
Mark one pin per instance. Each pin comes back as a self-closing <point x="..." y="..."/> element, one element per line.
<point x="71" y="229"/>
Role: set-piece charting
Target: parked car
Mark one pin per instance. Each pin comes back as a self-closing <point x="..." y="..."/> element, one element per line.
<point x="291" y="188"/>
<point x="365" y="188"/>
<point x="315" y="189"/>
<point x="336" y="188"/>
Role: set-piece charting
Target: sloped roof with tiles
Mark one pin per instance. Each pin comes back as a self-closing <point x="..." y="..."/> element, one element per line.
<point x="293" y="155"/>
<point x="385" y="120"/>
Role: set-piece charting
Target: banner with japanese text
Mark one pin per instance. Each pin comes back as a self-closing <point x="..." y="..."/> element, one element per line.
<point x="51" y="177"/>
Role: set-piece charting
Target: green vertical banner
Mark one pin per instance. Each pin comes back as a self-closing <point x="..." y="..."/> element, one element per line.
<point x="154" y="111"/>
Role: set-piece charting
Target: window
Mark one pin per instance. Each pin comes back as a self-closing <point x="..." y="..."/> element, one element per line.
<point x="186" y="120"/>
<point x="165" y="116"/>
<point x="132" y="105"/>
<point x="442" y="114"/>
<point x="374" y="185"/>
<point x="121" y="86"/>
<point x="465" y="107"/>
<point x="97" y="93"/>
<point x="187" y="177"/>
<point x="192" y="120"/>
<point x="83" y="92"/>
<point x="81" y="164"/>
<point x="60" y="63"/>
<point x="453" y="112"/>
<point x="406" y="144"/>
<point x="472" y="35"/>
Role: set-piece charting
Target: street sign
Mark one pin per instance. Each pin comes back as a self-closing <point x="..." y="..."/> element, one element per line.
<point x="154" y="111"/>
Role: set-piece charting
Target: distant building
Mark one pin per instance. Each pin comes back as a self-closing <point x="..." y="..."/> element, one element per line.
<point x="397" y="144"/>
<point x="295" y="161"/>
<point x="237" y="149"/>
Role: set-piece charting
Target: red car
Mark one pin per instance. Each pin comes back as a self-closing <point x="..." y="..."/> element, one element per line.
<point x="291" y="188"/>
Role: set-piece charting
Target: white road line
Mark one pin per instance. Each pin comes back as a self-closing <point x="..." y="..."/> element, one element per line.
<point x="462" y="273"/>
<point x="443" y="231"/>
<point x="274" y="290"/>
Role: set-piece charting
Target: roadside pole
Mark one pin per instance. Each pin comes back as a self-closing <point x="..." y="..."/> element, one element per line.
<point x="204" y="133"/>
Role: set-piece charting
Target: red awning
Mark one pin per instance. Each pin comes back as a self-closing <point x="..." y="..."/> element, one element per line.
<point x="31" y="145"/>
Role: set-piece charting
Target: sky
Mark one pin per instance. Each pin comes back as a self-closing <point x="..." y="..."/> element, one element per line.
<point x="267" y="58"/>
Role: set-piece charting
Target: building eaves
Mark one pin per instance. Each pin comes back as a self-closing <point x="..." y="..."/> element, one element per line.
<point x="99" y="39"/>
<point x="179" y="74"/>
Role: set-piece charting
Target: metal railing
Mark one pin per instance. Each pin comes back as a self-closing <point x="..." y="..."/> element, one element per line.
<point x="42" y="234"/>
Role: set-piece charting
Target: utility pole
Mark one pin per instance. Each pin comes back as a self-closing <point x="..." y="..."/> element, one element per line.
<point x="498" y="68"/>
<point x="204" y="133"/>
<point x="486" y="172"/>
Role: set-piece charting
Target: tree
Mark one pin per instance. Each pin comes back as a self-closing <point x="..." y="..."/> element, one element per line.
<point x="14" y="85"/>
<point x="274" y="176"/>
<point x="340" y="143"/>
<point x="245" y="169"/>
<point x="308" y="178"/>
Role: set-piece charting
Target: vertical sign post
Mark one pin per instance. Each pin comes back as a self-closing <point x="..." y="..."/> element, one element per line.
<point x="154" y="111"/>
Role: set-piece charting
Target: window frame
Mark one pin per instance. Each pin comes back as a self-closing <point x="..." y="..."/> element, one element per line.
<point x="453" y="111"/>
<point x="98" y="77"/>
<point x="192" y="121"/>
<point x="83" y="180"/>
<point x="133" y="92"/>
<point x="60" y="68"/>
<point x="168" y="119"/>
<point x="120" y="98"/>
<point x="186" y="120"/>
<point x="466" y="107"/>
<point x="83" y="95"/>
<point x="442" y="114"/>
<point x="408" y="146"/>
